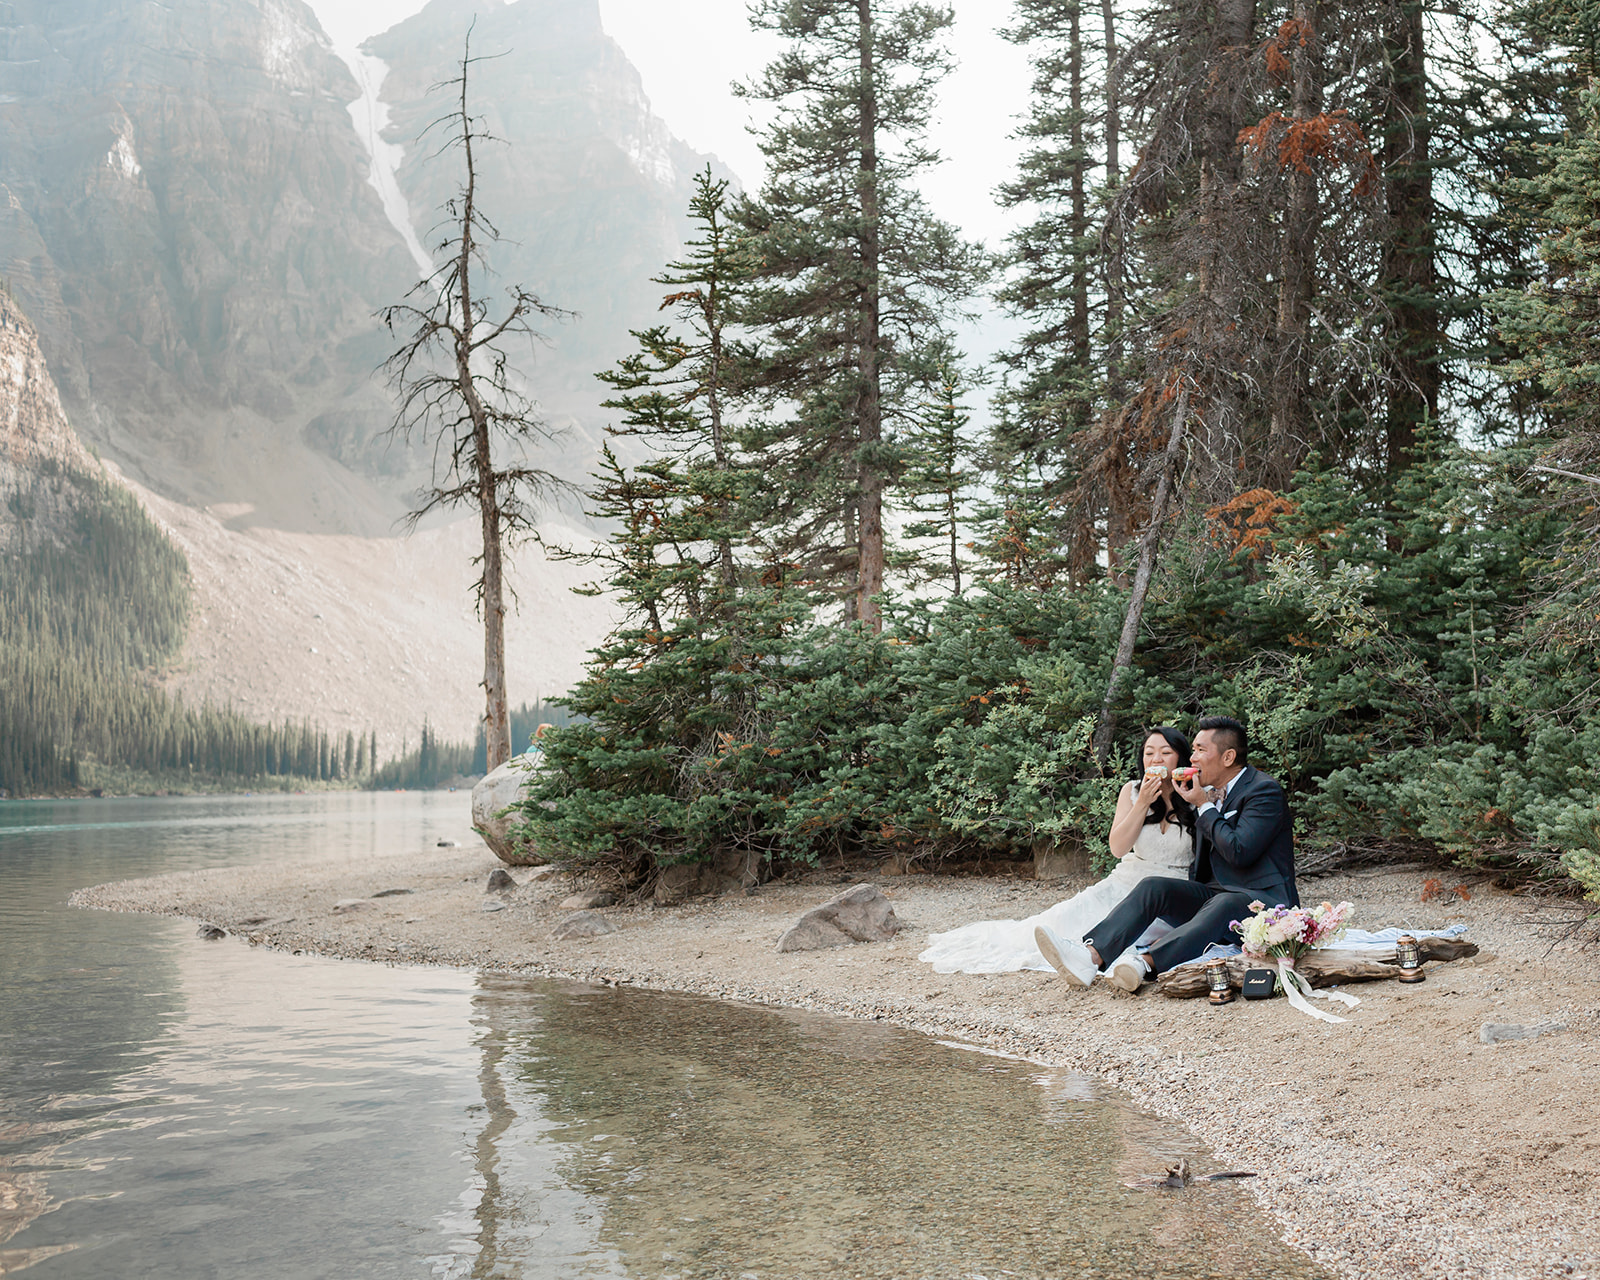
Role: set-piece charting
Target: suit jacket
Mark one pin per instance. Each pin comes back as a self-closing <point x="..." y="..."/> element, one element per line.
<point x="1247" y="844"/>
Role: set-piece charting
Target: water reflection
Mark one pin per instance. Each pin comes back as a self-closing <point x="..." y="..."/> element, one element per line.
<point x="716" y="1140"/>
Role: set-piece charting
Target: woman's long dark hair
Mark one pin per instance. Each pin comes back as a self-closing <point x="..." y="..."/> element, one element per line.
<point x="1181" y="811"/>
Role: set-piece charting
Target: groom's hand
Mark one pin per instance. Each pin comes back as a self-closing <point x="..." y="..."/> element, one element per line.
<point x="1191" y="790"/>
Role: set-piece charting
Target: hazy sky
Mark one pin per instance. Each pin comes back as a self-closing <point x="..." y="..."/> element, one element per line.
<point x="673" y="42"/>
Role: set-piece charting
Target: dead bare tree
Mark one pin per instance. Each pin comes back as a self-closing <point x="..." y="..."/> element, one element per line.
<point x="1166" y="477"/>
<point x="453" y="382"/>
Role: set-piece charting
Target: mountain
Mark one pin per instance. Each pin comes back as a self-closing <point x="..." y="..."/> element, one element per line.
<point x="42" y="462"/>
<point x="184" y="212"/>
<point x="588" y="187"/>
<point x="190" y="218"/>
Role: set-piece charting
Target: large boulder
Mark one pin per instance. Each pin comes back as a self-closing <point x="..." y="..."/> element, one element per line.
<point x="859" y="914"/>
<point x="499" y="790"/>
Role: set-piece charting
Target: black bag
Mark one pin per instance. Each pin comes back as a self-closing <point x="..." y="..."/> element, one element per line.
<point x="1259" y="984"/>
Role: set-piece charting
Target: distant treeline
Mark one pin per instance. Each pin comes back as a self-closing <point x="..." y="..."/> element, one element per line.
<point x="87" y="618"/>
<point x="432" y="762"/>
<point x="83" y="623"/>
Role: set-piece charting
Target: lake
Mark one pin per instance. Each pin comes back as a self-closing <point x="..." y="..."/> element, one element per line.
<point x="180" y="1108"/>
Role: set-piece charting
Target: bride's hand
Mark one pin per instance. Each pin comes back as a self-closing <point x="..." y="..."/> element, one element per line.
<point x="1149" y="789"/>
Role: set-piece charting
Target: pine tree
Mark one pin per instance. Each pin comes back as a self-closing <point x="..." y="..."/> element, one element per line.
<point x="1554" y="327"/>
<point x="852" y="275"/>
<point x="1062" y="282"/>
<point x="938" y="484"/>
<point x="678" y="392"/>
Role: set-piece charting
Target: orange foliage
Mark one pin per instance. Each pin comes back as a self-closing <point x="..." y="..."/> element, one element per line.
<point x="1330" y="138"/>
<point x="1277" y="50"/>
<point x="1246" y="525"/>
<point x="1432" y="889"/>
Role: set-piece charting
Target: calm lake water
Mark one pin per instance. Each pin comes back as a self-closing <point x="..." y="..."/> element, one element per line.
<point x="176" y="1108"/>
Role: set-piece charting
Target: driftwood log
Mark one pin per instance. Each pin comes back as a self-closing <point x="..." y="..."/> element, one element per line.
<point x="1319" y="968"/>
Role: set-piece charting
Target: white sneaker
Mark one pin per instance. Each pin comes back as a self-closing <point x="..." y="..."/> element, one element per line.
<point x="1070" y="959"/>
<point x="1128" y="971"/>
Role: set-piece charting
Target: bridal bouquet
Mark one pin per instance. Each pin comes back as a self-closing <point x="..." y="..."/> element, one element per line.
<point x="1289" y="932"/>
<point x="1286" y="933"/>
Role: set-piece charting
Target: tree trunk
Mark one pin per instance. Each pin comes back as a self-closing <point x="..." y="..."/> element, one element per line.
<point x="1141" y="580"/>
<point x="497" y="714"/>
<point x="1218" y="271"/>
<point x="1410" y="279"/>
<point x="1119" y="518"/>
<point x="869" y="405"/>
<point x="712" y="310"/>
<point x="1080" y="193"/>
<point x="1288" y="433"/>
<point x="1113" y="139"/>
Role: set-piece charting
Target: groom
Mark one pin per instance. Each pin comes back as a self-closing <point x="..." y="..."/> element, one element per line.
<point x="1244" y="850"/>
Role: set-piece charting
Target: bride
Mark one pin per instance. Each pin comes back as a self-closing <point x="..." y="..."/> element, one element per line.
<point x="1152" y="835"/>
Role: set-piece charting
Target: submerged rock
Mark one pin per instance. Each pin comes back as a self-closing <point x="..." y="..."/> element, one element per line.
<point x="346" y="906"/>
<point x="859" y="914"/>
<point x="583" y="924"/>
<point x="210" y="932"/>
<point x="392" y="893"/>
<point x="495" y="793"/>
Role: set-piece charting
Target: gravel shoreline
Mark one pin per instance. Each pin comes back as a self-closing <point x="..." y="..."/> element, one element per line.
<point x="1393" y="1145"/>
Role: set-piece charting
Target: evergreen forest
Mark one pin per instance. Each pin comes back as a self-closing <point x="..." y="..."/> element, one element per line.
<point x="88" y="614"/>
<point x="1301" y="427"/>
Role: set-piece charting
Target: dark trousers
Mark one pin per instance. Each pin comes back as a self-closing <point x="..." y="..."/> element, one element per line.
<point x="1200" y="912"/>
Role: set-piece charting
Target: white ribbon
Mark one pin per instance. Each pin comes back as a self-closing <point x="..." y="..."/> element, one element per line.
<point x="1297" y="989"/>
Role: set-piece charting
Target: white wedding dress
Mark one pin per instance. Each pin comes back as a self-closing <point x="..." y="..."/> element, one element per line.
<point x="1004" y="946"/>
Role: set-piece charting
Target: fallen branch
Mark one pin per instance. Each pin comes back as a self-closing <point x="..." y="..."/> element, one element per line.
<point x="1571" y="475"/>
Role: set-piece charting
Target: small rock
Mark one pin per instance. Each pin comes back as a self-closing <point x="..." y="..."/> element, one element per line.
<point x="589" y="900"/>
<point x="1495" y="1032"/>
<point x="860" y="914"/>
<point x="392" y="893"/>
<point x="583" y="924"/>
<point x="448" y="844"/>
<point x="494" y="906"/>
<point x="546" y="872"/>
<point x="210" y="932"/>
<point x="500" y="881"/>
<point x="252" y="922"/>
<point x="345" y="906"/>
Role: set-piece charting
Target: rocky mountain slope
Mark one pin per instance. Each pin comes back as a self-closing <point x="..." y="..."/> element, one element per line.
<point x="185" y="215"/>
<point x="351" y="632"/>
<point x="41" y="460"/>
<point x="588" y="187"/>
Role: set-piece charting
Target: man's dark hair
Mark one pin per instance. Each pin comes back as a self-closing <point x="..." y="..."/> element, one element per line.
<point x="1230" y="735"/>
